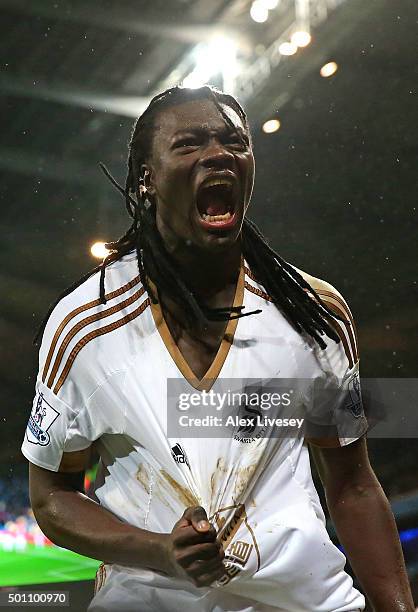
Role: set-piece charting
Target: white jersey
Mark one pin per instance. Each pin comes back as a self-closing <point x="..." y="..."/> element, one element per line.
<point x="103" y="377"/>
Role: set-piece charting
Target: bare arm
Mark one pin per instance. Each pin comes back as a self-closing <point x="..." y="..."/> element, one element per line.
<point x="72" y="520"/>
<point x="365" y="525"/>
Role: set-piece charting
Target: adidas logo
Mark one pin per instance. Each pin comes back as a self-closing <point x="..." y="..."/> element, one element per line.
<point x="179" y="455"/>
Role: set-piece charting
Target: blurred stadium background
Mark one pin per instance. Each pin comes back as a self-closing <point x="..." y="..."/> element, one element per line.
<point x="330" y="87"/>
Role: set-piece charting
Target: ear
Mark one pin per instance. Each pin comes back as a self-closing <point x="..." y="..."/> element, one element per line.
<point x="147" y="174"/>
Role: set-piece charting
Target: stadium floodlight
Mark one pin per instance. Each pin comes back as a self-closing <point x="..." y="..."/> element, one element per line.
<point x="301" y="38"/>
<point x="288" y="48"/>
<point x="271" y="126"/>
<point x="328" y="69"/>
<point x="218" y="56"/>
<point x="99" y="250"/>
<point x="259" y="12"/>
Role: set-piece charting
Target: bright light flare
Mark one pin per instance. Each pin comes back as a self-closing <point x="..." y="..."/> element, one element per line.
<point x="328" y="69"/>
<point x="301" y="39"/>
<point x="218" y="51"/>
<point x="271" y="126"/>
<point x="259" y="12"/>
<point x="99" y="250"/>
<point x="194" y="80"/>
<point x="210" y="59"/>
<point x="288" y="48"/>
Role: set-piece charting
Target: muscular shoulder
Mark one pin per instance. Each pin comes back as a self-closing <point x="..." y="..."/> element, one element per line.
<point x="80" y="319"/>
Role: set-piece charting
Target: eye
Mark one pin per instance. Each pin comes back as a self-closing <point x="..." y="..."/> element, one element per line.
<point x="189" y="141"/>
<point x="239" y="141"/>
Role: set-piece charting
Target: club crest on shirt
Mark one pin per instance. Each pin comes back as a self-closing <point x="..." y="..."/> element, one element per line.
<point x="250" y="431"/>
<point x="40" y="420"/>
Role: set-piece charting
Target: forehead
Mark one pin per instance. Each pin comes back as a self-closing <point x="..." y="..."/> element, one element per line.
<point x="194" y="114"/>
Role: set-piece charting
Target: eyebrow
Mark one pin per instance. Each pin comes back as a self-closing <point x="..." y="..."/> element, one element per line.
<point x="198" y="129"/>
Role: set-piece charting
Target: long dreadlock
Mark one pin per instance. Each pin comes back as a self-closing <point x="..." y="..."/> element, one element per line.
<point x="289" y="291"/>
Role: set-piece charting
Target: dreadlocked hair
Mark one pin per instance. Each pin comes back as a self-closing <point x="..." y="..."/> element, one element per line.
<point x="288" y="290"/>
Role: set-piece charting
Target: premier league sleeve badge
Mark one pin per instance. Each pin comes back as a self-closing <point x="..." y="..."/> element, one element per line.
<point x="41" y="419"/>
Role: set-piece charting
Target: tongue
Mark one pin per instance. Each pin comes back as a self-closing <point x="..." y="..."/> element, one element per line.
<point x="216" y="207"/>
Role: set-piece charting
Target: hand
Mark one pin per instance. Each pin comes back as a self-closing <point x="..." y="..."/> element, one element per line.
<point x="192" y="549"/>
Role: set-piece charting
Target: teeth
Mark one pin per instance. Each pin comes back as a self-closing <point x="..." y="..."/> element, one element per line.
<point x="211" y="218"/>
<point x="218" y="181"/>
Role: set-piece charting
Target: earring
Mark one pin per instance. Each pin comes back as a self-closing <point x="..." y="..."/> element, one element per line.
<point x="142" y="188"/>
<point x="144" y="191"/>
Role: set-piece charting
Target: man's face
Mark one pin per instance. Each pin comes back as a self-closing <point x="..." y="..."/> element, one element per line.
<point x="201" y="175"/>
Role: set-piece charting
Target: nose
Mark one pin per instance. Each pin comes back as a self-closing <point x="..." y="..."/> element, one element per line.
<point x="216" y="155"/>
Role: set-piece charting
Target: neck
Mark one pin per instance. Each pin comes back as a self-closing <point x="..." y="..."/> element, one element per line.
<point x="209" y="273"/>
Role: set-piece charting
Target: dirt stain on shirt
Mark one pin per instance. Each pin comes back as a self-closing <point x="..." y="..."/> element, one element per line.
<point x="142" y="477"/>
<point x="243" y="478"/>
<point x="184" y="495"/>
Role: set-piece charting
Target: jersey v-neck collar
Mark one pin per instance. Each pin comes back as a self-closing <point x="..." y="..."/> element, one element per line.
<point x="206" y="382"/>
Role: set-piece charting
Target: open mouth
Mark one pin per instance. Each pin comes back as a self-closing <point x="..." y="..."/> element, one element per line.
<point x="216" y="202"/>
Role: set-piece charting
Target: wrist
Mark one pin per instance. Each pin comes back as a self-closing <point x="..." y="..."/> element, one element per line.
<point x="161" y="553"/>
<point x="146" y="550"/>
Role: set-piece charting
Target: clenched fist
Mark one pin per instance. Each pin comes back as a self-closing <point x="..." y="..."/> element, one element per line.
<point x="192" y="550"/>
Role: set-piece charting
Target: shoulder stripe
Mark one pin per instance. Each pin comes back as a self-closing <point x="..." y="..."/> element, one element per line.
<point x="258" y="292"/>
<point x="342" y="304"/>
<point x="87" y="321"/>
<point x="344" y="312"/>
<point x="346" y="336"/>
<point x="101" y="331"/>
<point x="74" y="313"/>
<point x="338" y="328"/>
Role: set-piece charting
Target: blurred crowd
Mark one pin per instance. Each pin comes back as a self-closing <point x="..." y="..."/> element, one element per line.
<point x="18" y="526"/>
<point x="14" y="497"/>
